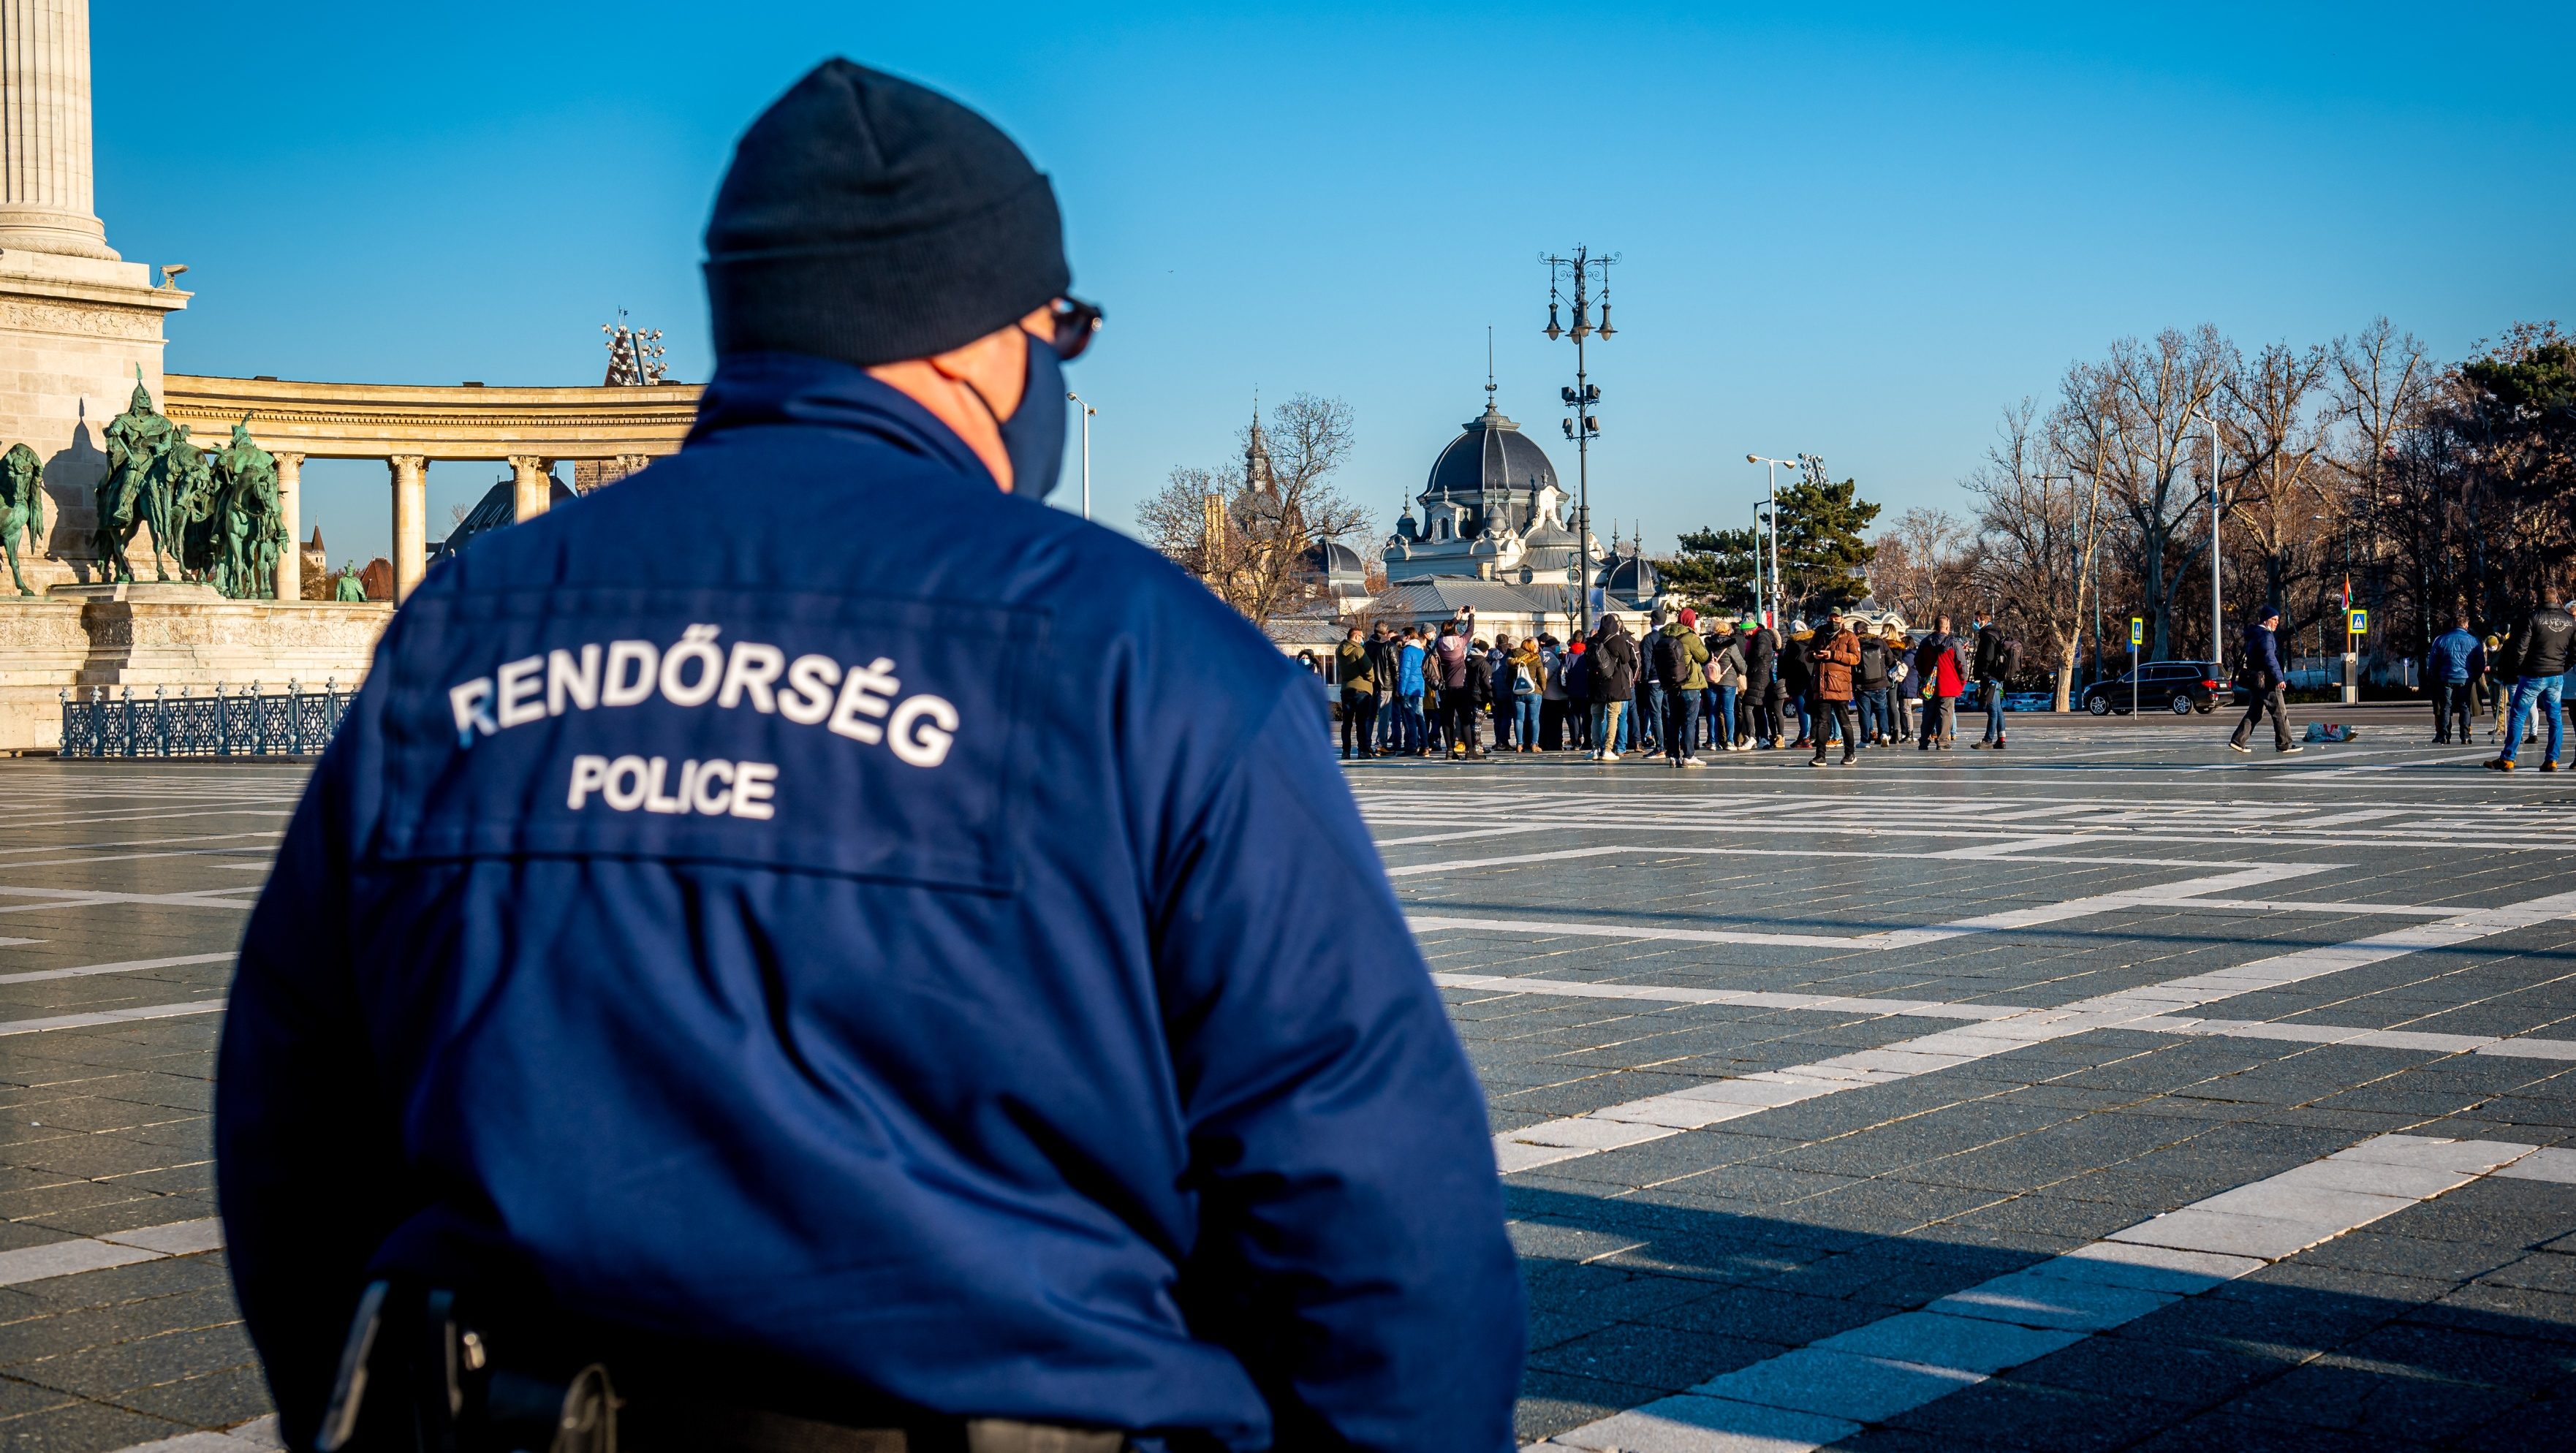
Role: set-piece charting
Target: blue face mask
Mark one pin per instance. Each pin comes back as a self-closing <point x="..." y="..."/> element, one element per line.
<point x="1033" y="436"/>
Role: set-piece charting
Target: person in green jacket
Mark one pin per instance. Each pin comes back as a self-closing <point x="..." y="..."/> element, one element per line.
<point x="1357" y="673"/>
<point x="1681" y="659"/>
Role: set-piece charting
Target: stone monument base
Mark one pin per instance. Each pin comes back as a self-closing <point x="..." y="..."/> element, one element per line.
<point x="149" y="634"/>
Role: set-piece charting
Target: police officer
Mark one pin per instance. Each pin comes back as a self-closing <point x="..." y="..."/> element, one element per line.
<point x="722" y="975"/>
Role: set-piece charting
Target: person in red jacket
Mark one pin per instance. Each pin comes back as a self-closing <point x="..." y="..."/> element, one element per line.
<point x="1936" y="665"/>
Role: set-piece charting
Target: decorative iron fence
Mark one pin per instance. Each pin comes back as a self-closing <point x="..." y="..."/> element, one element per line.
<point x="222" y="723"/>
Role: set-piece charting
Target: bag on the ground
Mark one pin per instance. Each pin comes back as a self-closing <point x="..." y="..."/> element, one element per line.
<point x="2325" y="731"/>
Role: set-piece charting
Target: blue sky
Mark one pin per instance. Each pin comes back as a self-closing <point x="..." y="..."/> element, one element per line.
<point x="1859" y="235"/>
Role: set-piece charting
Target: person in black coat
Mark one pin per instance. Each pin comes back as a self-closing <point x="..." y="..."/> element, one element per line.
<point x="1614" y="681"/>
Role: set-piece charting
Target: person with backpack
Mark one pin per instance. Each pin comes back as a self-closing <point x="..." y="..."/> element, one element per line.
<point x="2264" y="680"/>
<point x="1997" y="657"/>
<point x="1526" y="678"/>
<point x="1903" y="687"/>
<point x="1578" y="695"/>
<point x="1681" y="660"/>
<point x="1835" y="653"/>
<point x="1552" y="662"/>
<point x="2537" y="657"/>
<point x="1725" y="683"/>
<point x="1614" y="680"/>
<point x="1869" y="688"/>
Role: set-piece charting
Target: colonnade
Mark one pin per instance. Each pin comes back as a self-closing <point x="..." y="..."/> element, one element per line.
<point x="531" y="490"/>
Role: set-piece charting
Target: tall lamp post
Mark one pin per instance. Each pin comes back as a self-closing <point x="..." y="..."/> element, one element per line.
<point x="1771" y="472"/>
<point x="1582" y="272"/>
<point x="2217" y="605"/>
<point x="1087" y="412"/>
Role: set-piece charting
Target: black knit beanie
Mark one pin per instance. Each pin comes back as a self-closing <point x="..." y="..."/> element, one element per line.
<point x="869" y="219"/>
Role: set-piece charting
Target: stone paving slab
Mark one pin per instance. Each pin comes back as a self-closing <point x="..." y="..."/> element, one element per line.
<point x="1871" y="1186"/>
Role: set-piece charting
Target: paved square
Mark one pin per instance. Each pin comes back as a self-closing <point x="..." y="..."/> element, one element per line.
<point x="2112" y="1092"/>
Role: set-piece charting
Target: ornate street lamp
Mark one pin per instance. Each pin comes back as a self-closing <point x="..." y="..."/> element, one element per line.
<point x="1584" y="273"/>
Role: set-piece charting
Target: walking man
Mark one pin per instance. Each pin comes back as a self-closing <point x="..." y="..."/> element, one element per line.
<point x="2537" y="659"/>
<point x="870" y="1033"/>
<point x="2264" y="677"/>
<point x="2451" y="665"/>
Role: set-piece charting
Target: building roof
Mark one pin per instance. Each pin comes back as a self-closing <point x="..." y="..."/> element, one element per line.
<point x="1492" y="454"/>
<point x="1632" y="576"/>
<point x="498" y="507"/>
<point x="1447" y="594"/>
<point x="1328" y="557"/>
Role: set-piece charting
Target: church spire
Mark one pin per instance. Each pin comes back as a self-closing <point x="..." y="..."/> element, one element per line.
<point x="1257" y="473"/>
<point x="1489" y="369"/>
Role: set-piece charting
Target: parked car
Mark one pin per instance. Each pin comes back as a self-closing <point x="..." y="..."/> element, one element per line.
<point x="2029" y="700"/>
<point x="2180" y="687"/>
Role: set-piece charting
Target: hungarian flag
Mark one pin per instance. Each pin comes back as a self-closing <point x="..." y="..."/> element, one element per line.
<point x="2347" y="594"/>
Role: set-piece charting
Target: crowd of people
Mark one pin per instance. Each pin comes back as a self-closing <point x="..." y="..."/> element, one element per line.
<point x="1684" y="687"/>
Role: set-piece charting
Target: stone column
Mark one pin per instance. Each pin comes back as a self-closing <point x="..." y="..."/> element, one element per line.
<point x="290" y="518"/>
<point x="531" y="485"/>
<point x="411" y="510"/>
<point x="45" y="193"/>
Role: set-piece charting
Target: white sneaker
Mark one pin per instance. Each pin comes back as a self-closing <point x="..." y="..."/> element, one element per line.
<point x="1692" y="762"/>
<point x="1607" y="757"/>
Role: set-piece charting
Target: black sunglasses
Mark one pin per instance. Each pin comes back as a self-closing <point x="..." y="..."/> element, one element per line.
<point x="1075" y="321"/>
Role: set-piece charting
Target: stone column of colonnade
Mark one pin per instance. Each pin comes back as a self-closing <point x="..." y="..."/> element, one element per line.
<point x="45" y="186"/>
<point x="411" y="511"/>
<point x="531" y="485"/>
<point x="290" y="516"/>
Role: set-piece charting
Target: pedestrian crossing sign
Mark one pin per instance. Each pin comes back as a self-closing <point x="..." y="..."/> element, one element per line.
<point x="2137" y="630"/>
<point x="2359" y="624"/>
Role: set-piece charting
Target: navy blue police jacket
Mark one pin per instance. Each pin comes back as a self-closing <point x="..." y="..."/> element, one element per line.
<point x="806" y="901"/>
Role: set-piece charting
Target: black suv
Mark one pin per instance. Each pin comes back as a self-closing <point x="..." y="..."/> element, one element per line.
<point x="2180" y="687"/>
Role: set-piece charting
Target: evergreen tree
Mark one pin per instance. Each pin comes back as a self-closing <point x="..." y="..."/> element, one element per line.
<point x="1823" y="559"/>
<point x="1715" y="569"/>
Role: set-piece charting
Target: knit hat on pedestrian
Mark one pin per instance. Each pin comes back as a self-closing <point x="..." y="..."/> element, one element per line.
<point x="1690" y="617"/>
<point x="868" y="219"/>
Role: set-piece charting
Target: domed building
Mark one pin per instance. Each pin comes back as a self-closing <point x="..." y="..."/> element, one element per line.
<point x="1492" y="532"/>
<point x="1336" y="572"/>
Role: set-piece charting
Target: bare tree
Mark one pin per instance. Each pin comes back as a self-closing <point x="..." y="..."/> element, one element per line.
<point x="1245" y="529"/>
<point x="2383" y="385"/>
<point x="2038" y="523"/>
<point x="1924" y="563"/>
<point x="2157" y="393"/>
<point x="2269" y="417"/>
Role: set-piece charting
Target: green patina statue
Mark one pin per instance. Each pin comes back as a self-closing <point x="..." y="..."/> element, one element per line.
<point x="136" y="490"/>
<point x="22" y="505"/>
<point x="244" y="522"/>
<point x="349" y="589"/>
